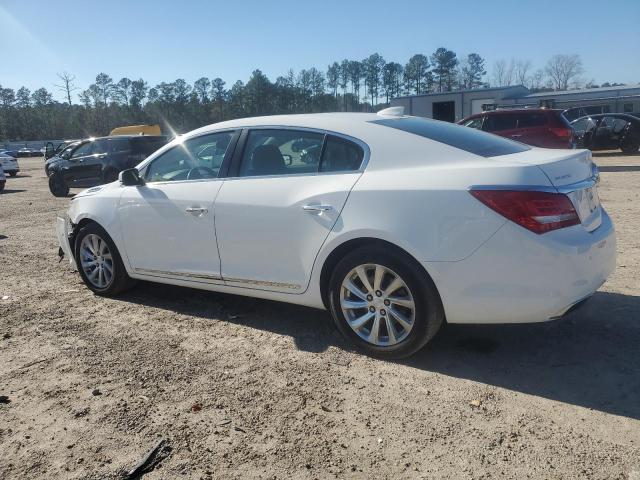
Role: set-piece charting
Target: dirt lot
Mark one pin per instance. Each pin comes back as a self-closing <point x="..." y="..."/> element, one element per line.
<point x="243" y="388"/>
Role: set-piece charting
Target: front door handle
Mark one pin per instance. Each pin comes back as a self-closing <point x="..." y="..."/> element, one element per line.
<point x="317" y="208"/>
<point x="196" y="211"/>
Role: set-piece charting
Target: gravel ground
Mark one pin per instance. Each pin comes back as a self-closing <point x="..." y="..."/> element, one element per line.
<point x="244" y="388"/>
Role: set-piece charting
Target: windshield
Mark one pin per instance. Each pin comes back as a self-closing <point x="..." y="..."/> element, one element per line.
<point x="68" y="150"/>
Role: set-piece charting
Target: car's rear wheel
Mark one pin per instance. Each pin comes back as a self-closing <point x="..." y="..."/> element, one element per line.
<point x="630" y="147"/>
<point x="383" y="302"/>
<point x="99" y="261"/>
<point x="57" y="186"/>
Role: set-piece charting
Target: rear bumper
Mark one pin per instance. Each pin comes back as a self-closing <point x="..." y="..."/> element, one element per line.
<point x="521" y="277"/>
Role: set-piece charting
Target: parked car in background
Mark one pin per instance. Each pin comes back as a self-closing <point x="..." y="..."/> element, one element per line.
<point x="9" y="164"/>
<point x="398" y="223"/>
<point x="3" y="179"/>
<point x="539" y="127"/>
<point x="11" y="153"/>
<point x="609" y="131"/>
<point x="97" y="160"/>
<point x="574" y="113"/>
<point x="51" y="150"/>
<point x="29" y="152"/>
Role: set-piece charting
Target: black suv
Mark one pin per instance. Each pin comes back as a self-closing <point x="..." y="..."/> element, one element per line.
<point x="98" y="160"/>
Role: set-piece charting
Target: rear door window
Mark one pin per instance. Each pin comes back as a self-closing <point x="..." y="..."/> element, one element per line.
<point x="281" y="152"/>
<point x="467" y="139"/>
<point x="619" y="124"/>
<point x="497" y="123"/>
<point x="531" y="120"/>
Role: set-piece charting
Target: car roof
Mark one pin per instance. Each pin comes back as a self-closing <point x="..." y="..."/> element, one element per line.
<point x="339" y="120"/>
<point x="625" y="116"/>
<point x="522" y="110"/>
<point x="387" y="146"/>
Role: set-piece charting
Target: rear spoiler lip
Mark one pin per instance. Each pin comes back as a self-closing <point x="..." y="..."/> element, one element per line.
<point x="593" y="180"/>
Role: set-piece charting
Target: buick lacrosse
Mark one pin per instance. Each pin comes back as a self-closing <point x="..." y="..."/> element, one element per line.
<point x="395" y="224"/>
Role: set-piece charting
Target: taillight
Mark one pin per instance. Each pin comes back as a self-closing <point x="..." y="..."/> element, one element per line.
<point x="539" y="212"/>
<point x="562" y="132"/>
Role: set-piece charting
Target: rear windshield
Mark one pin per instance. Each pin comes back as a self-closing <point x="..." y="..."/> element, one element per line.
<point x="465" y="138"/>
<point x="147" y="145"/>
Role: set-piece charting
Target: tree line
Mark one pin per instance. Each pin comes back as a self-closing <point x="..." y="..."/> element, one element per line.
<point x="349" y="85"/>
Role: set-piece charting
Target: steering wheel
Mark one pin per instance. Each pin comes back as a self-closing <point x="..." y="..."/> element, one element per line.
<point x="201" y="172"/>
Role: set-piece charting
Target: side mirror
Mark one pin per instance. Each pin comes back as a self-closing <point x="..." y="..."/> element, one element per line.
<point x="130" y="177"/>
<point x="49" y="150"/>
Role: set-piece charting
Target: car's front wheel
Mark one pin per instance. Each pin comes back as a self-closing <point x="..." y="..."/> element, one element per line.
<point x="57" y="186"/>
<point x="99" y="261"/>
<point x="384" y="303"/>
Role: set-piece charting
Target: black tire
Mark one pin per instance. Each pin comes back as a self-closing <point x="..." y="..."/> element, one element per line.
<point x="13" y="174"/>
<point x="111" y="175"/>
<point x="630" y="147"/>
<point x="429" y="314"/>
<point x="120" y="281"/>
<point x="57" y="186"/>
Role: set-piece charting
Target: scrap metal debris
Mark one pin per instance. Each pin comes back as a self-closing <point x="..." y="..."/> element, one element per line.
<point x="153" y="457"/>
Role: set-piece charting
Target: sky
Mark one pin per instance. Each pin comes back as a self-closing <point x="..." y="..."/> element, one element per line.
<point x="162" y="40"/>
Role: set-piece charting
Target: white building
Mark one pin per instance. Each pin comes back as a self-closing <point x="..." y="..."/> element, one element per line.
<point x="454" y="106"/>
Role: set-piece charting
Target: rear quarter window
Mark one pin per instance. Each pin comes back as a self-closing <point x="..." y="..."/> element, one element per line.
<point x="497" y="123"/>
<point x="467" y="139"/>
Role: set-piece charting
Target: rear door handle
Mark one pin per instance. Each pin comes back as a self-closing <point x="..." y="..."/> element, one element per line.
<point x="317" y="208"/>
<point x="196" y="211"/>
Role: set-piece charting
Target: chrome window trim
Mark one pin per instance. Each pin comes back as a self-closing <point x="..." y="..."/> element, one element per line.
<point x="357" y="141"/>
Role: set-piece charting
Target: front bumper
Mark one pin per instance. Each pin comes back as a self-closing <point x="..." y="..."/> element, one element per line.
<point x="63" y="231"/>
<point x="520" y="277"/>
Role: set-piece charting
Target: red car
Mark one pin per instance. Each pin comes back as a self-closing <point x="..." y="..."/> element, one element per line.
<point x="539" y="127"/>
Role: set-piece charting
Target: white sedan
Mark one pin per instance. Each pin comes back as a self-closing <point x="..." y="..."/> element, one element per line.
<point x="393" y="223"/>
<point x="9" y="164"/>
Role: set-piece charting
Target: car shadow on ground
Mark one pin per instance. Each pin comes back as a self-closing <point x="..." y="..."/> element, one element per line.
<point x="591" y="358"/>
<point x="609" y="153"/>
<point x="619" y="168"/>
<point x="10" y="190"/>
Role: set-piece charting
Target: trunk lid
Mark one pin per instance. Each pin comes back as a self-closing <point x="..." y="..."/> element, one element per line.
<point x="572" y="172"/>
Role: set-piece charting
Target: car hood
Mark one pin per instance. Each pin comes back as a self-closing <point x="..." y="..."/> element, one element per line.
<point x="98" y="190"/>
<point x="53" y="160"/>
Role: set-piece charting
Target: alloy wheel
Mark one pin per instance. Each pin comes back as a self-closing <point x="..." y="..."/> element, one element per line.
<point x="96" y="261"/>
<point x="377" y="304"/>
